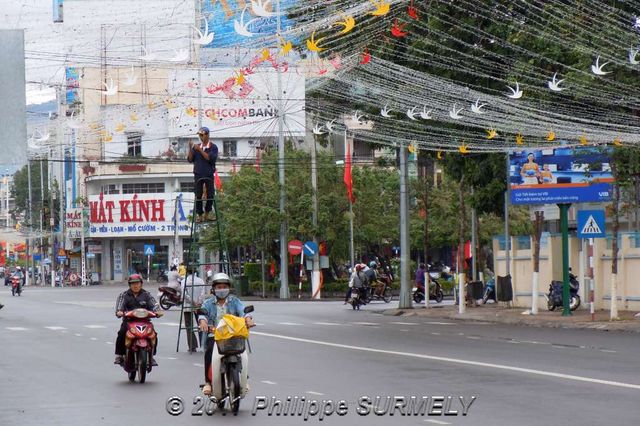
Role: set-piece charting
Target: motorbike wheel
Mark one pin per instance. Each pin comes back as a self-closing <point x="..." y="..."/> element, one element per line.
<point x="165" y="303"/>
<point x="574" y="303"/>
<point x="142" y="366"/>
<point x="439" y="296"/>
<point x="386" y="296"/>
<point x="234" y="387"/>
<point x="550" y="305"/>
<point x="417" y="297"/>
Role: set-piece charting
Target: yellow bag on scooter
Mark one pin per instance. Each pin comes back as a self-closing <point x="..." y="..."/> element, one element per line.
<point x="231" y="326"/>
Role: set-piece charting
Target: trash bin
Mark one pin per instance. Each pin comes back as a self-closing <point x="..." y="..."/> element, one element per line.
<point x="241" y="285"/>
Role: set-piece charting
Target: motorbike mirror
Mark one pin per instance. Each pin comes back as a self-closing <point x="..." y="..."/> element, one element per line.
<point x="248" y="309"/>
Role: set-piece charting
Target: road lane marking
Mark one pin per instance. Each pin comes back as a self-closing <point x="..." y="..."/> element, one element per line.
<point x="171" y="324"/>
<point x="288" y="323"/>
<point x="268" y="382"/>
<point x="93" y="338"/>
<point x="327" y="323"/>
<point x="440" y="323"/>
<point x="366" y="323"/>
<point x="16" y="328"/>
<point x="94" y="326"/>
<point x="403" y="323"/>
<point x="436" y="334"/>
<point x="473" y="337"/>
<point x="404" y="329"/>
<point x="199" y="365"/>
<point x="55" y="328"/>
<point x="315" y="393"/>
<point x="438" y="422"/>
<point x="608" y="351"/>
<point x="78" y="334"/>
<point x="457" y="361"/>
<point x="109" y="343"/>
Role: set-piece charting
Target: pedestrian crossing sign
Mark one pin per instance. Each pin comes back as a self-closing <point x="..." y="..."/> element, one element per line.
<point x="591" y="224"/>
<point x="149" y="249"/>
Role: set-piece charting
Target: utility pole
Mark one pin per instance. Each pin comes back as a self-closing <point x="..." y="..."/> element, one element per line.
<point x="351" y="244"/>
<point x="474" y="242"/>
<point x="284" y="267"/>
<point x="315" y="275"/>
<point x="41" y="220"/>
<point x="405" y="255"/>
<point x="51" y="220"/>
<point x="83" y="262"/>
<point x="29" y="216"/>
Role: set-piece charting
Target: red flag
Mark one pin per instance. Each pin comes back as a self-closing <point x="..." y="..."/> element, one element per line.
<point x="258" y="169"/>
<point x="347" y="175"/>
<point x="218" y="182"/>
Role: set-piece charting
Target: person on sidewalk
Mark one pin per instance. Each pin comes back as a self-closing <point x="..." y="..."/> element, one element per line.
<point x="203" y="156"/>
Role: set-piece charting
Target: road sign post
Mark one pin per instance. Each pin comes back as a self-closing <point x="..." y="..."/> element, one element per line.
<point x="149" y="250"/>
<point x="564" y="225"/>
<point x="591" y="224"/>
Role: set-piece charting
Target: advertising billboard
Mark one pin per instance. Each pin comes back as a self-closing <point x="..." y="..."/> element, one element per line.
<point x="72" y="77"/>
<point x="236" y="105"/>
<point x="561" y="175"/>
<point x="223" y="17"/>
<point x="139" y="215"/>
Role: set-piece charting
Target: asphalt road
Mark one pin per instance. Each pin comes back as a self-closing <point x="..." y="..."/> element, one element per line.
<point x="56" y="363"/>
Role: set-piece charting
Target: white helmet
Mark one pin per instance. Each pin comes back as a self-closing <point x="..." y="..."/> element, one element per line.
<point x="209" y="273"/>
<point x="220" y="278"/>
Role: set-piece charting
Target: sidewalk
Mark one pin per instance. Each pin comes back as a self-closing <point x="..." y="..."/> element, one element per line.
<point x="491" y="312"/>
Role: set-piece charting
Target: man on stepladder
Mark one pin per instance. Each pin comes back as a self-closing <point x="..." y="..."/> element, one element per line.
<point x="203" y="156"/>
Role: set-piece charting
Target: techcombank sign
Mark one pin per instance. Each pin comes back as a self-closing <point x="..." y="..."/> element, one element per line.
<point x="139" y="215"/>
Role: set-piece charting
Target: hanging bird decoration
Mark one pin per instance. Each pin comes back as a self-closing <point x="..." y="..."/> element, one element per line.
<point x="385" y="111"/>
<point x="551" y="136"/>
<point x="382" y="8"/>
<point x="413" y="12"/>
<point x="411" y="113"/>
<point x="515" y="93"/>
<point x="519" y="139"/>
<point x="426" y="115"/>
<point x="397" y="29"/>
<point x="120" y="128"/>
<point x="491" y="134"/>
<point x="554" y="84"/>
<point x="439" y="155"/>
<point x="455" y="113"/>
<point x="241" y="27"/>
<point x="597" y="69"/>
<point x="632" y="57"/>
<point x="312" y="43"/>
<point x="617" y="142"/>
<point x="366" y="57"/>
<point x="464" y="149"/>
<point x="583" y="140"/>
<point x="477" y="108"/>
<point x="348" y="23"/>
<point x="285" y="47"/>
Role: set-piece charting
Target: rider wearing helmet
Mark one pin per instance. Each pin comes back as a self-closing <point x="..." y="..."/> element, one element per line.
<point x="133" y="298"/>
<point x="212" y="310"/>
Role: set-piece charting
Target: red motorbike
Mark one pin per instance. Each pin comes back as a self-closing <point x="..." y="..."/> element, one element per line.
<point x="15" y="286"/>
<point x="140" y="341"/>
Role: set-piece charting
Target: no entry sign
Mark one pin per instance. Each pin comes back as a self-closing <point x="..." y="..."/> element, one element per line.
<point x="295" y="247"/>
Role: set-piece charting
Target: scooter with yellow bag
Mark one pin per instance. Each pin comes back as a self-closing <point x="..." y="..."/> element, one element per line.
<point x="232" y="339"/>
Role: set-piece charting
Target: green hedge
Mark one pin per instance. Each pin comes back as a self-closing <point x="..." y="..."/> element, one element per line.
<point x="253" y="271"/>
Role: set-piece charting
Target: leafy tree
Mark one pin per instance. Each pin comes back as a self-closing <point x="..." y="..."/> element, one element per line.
<point x="39" y="200"/>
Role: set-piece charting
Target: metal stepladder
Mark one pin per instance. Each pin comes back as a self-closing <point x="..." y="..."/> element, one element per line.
<point x="199" y="257"/>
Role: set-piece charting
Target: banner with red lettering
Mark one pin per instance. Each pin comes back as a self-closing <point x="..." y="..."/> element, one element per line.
<point x="236" y="104"/>
<point x="139" y="215"/>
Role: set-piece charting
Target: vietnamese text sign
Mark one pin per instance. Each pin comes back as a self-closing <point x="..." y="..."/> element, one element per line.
<point x="236" y="107"/>
<point x="562" y="175"/>
<point x="73" y="222"/>
<point x="135" y="215"/>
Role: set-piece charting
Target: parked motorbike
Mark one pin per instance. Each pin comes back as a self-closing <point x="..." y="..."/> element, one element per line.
<point x="162" y="276"/>
<point x="231" y="369"/>
<point x="140" y="342"/>
<point x="168" y="297"/>
<point x="554" y="298"/>
<point x="16" y="287"/>
<point x="489" y="291"/>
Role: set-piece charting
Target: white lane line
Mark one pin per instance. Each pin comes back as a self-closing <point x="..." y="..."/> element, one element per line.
<point x="440" y="323"/>
<point x="94" y="338"/>
<point x="366" y="323"/>
<point x="171" y="324"/>
<point x="16" y="328"/>
<point x="403" y="323"/>
<point x="404" y="329"/>
<point x="267" y="382"/>
<point x="109" y="343"/>
<point x="473" y="337"/>
<point x="436" y="334"/>
<point x="457" y="361"/>
<point x="199" y="365"/>
<point x="533" y="342"/>
<point x="78" y="334"/>
<point x="259" y="323"/>
<point x="327" y="323"/>
<point x="289" y="323"/>
<point x="94" y="326"/>
<point x="438" y="422"/>
<point x="54" y="328"/>
<point x="608" y="351"/>
<point x="315" y="393"/>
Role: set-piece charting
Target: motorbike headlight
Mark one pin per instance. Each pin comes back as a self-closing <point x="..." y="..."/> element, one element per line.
<point x="140" y="313"/>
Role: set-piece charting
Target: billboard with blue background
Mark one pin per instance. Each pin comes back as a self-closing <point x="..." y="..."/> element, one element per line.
<point x="221" y="16"/>
<point x="560" y="175"/>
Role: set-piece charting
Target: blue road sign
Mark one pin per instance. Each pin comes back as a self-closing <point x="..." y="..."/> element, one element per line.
<point x="149" y="249"/>
<point x="591" y="224"/>
<point x="91" y="255"/>
<point x="37" y="257"/>
<point x="310" y="249"/>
